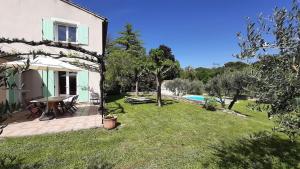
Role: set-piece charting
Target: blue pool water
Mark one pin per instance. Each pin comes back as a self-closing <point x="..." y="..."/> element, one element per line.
<point x="194" y="97"/>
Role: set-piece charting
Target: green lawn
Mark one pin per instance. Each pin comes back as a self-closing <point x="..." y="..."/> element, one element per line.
<point x="178" y="135"/>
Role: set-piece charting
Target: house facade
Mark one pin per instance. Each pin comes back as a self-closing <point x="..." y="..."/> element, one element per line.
<point x="58" y="21"/>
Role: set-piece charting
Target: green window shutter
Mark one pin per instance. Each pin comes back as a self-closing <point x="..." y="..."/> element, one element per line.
<point x="48" y="29"/>
<point x="50" y="89"/>
<point x="83" y="86"/>
<point x="83" y="35"/>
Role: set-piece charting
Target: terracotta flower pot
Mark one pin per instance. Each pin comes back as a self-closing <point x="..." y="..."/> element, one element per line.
<point x="110" y="123"/>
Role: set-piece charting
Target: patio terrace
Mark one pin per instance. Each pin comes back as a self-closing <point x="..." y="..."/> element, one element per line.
<point x="85" y="117"/>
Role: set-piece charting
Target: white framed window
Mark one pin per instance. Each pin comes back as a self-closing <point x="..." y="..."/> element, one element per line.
<point x="65" y="33"/>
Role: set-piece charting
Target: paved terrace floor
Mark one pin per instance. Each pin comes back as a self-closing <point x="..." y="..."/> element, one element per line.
<point x="86" y="117"/>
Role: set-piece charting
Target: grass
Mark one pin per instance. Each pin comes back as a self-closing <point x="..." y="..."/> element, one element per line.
<point x="178" y="135"/>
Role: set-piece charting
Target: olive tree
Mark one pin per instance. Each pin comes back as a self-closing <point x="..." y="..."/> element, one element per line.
<point x="219" y="86"/>
<point x="239" y="82"/>
<point x="278" y="75"/>
<point x="184" y="86"/>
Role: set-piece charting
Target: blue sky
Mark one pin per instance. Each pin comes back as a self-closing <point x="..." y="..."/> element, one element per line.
<point x="200" y="32"/>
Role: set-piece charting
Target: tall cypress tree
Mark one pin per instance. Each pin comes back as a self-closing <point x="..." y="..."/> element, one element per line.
<point x="130" y="43"/>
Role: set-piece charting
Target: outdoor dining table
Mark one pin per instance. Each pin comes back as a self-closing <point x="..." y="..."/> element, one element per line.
<point x="52" y="105"/>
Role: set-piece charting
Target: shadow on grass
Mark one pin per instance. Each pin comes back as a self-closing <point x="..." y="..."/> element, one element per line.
<point x="169" y="101"/>
<point x="261" y="150"/>
<point x="115" y="108"/>
<point x="99" y="163"/>
<point x="114" y="98"/>
<point x="11" y="162"/>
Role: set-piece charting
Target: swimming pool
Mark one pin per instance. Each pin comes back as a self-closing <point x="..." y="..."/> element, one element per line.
<point x="195" y="98"/>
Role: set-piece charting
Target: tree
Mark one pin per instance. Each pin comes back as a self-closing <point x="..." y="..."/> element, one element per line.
<point x="205" y="74"/>
<point x="130" y="43"/>
<point x="163" y="65"/>
<point x="196" y="87"/>
<point x="219" y="86"/>
<point x="188" y="73"/>
<point x="235" y="66"/>
<point x="278" y="75"/>
<point x="239" y="81"/>
<point x="184" y="86"/>
<point x="118" y="74"/>
<point x="174" y="86"/>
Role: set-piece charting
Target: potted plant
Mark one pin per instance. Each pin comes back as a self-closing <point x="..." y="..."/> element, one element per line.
<point x="110" y="122"/>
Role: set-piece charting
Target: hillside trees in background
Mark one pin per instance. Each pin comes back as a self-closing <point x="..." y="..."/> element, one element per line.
<point x="235" y="66"/>
<point x="205" y="74"/>
<point x="162" y="64"/>
<point x="188" y="73"/>
<point x="279" y="75"/>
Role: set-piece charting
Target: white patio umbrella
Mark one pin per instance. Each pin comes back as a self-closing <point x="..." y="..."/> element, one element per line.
<point x="45" y="63"/>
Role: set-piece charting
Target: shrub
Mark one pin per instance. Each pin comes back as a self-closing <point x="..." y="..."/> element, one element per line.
<point x="289" y="124"/>
<point x="211" y="104"/>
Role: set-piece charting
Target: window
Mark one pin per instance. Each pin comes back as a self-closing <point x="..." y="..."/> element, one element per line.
<point x="62" y="33"/>
<point x="62" y="78"/>
<point x="67" y="82"/>
<point x="73" y="83"/>
<point x="66" y="33"/>
<point x="72" y="34"/>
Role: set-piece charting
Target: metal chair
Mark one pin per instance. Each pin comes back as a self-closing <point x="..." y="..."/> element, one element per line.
<point x="71" y="106"/>
<point x="95" y="98"/>
<point x="36" y="109"/>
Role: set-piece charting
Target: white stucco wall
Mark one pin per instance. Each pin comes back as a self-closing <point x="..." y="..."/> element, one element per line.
<point x="94" y="79"/>
<point x="165" y="91"/>
<point x="32" y="84"/>
<point x="23" y="19"/>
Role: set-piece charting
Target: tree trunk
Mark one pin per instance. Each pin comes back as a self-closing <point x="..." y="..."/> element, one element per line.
<point x="235" y="98"/>
<point x="222" y="101"/>
<point x="158" y="91"/>
<point x="101" y="94"/>
<point x="137" y="87"/>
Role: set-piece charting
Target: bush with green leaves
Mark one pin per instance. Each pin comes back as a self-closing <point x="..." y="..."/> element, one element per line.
<point x="211" y="104"/>
<point x="289" y="124"/>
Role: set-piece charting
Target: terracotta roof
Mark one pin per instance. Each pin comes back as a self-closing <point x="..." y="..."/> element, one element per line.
<point x="84" y="9"/>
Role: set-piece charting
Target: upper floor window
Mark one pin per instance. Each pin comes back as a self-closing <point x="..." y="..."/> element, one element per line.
<point x="66" y="33"/>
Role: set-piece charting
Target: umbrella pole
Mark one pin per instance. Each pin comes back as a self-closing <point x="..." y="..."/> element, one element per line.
<point x="44" y="115"/>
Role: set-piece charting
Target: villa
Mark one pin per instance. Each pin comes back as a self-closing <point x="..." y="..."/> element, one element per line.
<point x="58" y="21"/>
